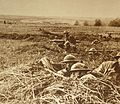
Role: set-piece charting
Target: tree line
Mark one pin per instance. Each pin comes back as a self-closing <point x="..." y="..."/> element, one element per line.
<point x="98" y="22"/>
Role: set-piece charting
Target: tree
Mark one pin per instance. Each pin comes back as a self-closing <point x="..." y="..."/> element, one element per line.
<point x="98" y="22"/>
<point x="85" y="23"/>
<point x="76" y="23"/>
<point x="115" y="22"/>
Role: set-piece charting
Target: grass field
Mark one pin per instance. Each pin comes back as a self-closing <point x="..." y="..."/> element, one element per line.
<point x="23" y="44"/>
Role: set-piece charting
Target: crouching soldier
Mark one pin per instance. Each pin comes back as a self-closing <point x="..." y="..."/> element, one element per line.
<point x="78" y="70"/>
<point x="109" y="70"/>
<point x="69" y="60"/>
<point x="66" y="33"/>
<point x="58" y="68"/>
<point x="67" y="47"/>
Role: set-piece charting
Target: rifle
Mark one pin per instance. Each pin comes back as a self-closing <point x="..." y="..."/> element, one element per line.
<point x="58" y="40"/>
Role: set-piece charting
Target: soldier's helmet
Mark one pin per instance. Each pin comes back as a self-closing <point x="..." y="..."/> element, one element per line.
<point x="117" y="56"/>
<point x="69" y="58"/>
<point x="67" y="43"/>
<point x="66" y="32"/>
<point x="92" y="50"/>
<point x="79" y="67"/>
<point x="95" y="42"/>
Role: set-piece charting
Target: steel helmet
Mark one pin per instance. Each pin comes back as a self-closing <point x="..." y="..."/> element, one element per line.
<point x="66" y="32"/>
<point x="79" y="67"/>
<point x="69" y="58"/>
<point x="92" y="50"/>
<point x="67" y="43"/>
<point x="95" y="42"/>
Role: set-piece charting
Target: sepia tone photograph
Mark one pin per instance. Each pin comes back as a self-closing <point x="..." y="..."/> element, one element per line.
<point x="59" y="51"/>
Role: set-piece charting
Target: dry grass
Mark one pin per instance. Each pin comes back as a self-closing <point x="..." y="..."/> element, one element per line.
<point x="24" y="81"/>
<point x="28" y="84"/>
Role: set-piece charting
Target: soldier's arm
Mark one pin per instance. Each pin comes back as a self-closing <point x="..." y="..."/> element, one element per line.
<point x="99" y="72"/>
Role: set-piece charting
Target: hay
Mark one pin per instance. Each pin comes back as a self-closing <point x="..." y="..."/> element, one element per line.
<point x="21" y="85"/>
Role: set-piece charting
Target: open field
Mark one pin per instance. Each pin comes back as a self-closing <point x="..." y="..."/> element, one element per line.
<point x="24" y="81"/>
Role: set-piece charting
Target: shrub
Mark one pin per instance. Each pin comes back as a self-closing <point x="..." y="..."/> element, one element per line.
<point x="98" y="22"/>
<point x="115" y="22"/>
<point x="86" y="23"/>
<point x="76" y="23"/>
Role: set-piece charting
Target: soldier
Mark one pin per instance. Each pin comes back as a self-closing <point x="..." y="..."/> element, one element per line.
<point x="78" y="70"/>
<point x="66" y="35"/>
<point x="109" y="69"/>
<point x="67" y="47"/>
<point x="69" y="37"/>
<point x="92" y="56"/>
<point x="105" y="80"/>
<point x="69" y="60"/>
<point x="95" y="42"/>
<point x="92" y="51"/>
<point x="72" y="39"/>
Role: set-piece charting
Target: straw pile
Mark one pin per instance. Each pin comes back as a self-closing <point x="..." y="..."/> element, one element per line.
<point x="31" y="84"/>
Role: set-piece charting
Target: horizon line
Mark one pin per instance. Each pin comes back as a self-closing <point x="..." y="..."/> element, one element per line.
<point x="55" y="16"/>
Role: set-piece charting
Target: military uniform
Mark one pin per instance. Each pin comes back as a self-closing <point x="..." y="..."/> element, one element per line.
<point x="109" y="70"/>
<point x="78" y="70"/>
<point x="108" y="66"/>
<point x="105" y="67"/>
<point x="108" y="90"/>
<point x="67" y="46"/>
<point x="69" y="60"/>
<point x="65" y="72"/>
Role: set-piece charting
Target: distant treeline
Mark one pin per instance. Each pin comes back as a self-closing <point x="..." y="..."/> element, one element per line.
<point x="115" y="22"/>
<point x="99" y="22"/>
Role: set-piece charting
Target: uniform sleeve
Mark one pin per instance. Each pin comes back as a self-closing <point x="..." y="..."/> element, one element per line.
<point x="100" y="69"/>
<point x="62" y="72"/>
<point x="104" y="68"/>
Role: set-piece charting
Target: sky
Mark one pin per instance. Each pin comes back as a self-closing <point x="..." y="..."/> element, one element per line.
<point x="61" y="8"/>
